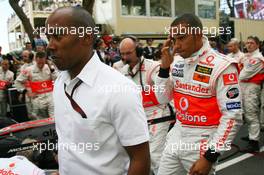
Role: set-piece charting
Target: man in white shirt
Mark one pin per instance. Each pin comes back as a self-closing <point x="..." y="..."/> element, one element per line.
<point x="99" y="116"/>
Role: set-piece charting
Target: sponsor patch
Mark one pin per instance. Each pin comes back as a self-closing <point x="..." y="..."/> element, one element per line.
<point x="201" y="78"/>
<point x="232" y="93"/>
<point x="203" y="69"/>
<point x="230" y="79"/>
<point x="208" y="61"/>
<point x="233" y="105"/>
<point x="177" y="70"/>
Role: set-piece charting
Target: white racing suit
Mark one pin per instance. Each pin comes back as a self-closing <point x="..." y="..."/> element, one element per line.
<point x="261" y="116"/>
<point x="251" y="77"/>
<point x="143" y="74"/>
<point x="238" y="57"/>
<point x="39" y="89"/>
<point x="208" y="109"/>
<point x="18" y="165"/>
<point x="6" y="78"/>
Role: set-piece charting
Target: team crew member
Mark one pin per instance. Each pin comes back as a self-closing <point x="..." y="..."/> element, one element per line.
<point x="40" y="82"/>
<point x="143" y="71"/>
<point x="110" y="124"/>
<point x="204" y="85"/>
<point x="6" y="78"/>
<point x="27" y="58"/>
<point x="18" y="165"/>
<point x="234" y="51"/>
<point x="251" y="77"/>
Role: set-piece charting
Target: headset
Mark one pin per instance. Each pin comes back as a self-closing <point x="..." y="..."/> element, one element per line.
<point x="139" y="50"/>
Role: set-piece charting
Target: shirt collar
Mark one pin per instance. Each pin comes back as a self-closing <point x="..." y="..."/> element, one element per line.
<point x="201" y="52"/>
<point x="88" y="73"/>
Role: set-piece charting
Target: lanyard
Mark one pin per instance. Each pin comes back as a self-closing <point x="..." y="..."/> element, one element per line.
<point x="75" y="106"/>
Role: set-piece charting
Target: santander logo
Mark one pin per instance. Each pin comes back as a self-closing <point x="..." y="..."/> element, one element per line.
<point x="191" y="87"/>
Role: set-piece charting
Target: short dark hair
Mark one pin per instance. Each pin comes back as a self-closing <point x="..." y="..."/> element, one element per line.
<point x="190" y="19"/>
<point x="41" y="54"/>
<point x="80" y="18"/>
<point x="255" y="38"/>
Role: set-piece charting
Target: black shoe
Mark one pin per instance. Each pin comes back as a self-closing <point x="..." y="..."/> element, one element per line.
<point x="252" y="147"/>
<point x="246" y="138"/>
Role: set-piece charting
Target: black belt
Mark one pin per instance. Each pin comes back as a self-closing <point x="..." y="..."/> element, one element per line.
<point x="161" y="119"/>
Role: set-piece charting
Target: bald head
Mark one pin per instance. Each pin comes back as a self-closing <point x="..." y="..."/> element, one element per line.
<point x="233" y="45"/>
<point x="127" y="42"/>
<point x="128" y="51"/>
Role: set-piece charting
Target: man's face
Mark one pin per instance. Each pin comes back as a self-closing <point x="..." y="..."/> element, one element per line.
<point x="5" y="65"/>
<point x="25" y="56"/>
<point x="232" y="48"/>
<point x="251" y="45"/>
<point x="185" y="44"/>
<point x="28" y="47"/>
<point x="128" y="53"/>
<point x="64" y="47"/>
<point x="40" y="62"/>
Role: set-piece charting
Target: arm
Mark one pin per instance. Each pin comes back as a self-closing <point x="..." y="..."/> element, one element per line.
<point x="253" y="66"/>
<point x="230" y="123"/>
<point x="130" y="122"/>
<point x="139" y="159"/>
<point x="163" y="80"/>
<point x="21" y="79"/>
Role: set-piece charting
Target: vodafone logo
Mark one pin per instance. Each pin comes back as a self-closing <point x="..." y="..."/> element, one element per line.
<point x="231" y="77"/>
<point x="184" y="103"/>
<point x="44" y="85"/>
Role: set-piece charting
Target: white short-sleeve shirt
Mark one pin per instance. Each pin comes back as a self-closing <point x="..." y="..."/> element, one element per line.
<point x="115" y="118"/>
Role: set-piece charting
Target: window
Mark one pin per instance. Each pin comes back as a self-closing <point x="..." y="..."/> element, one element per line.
<point x="184" y="6"/>
<point x="134" y="7"/>
<point x="207" y="9"/>
<point x="160" y="8"/>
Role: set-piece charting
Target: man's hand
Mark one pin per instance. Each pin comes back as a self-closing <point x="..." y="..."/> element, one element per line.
<point x="139" y="159"/>
<point x="201" y="167"/>
<point x="166" y="56"/>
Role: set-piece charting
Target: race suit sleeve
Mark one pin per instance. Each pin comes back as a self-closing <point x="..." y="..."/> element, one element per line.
<point x="165" y="85"/>
<point x="21" y="79"/>
<point x="253" y="66"/>
<point x="228" y="95"/>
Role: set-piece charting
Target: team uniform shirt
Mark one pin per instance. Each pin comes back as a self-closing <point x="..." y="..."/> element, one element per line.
<point x="253" y="68"/>
<point x="114" y="118"/>
<point x="6" y="78"/>
<point x="207" y="101"/>
<point x="39" y="85"/>
<point x="251" y="77"/>
<point x="238" y="57"/>
<point x="18" y="165"/>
